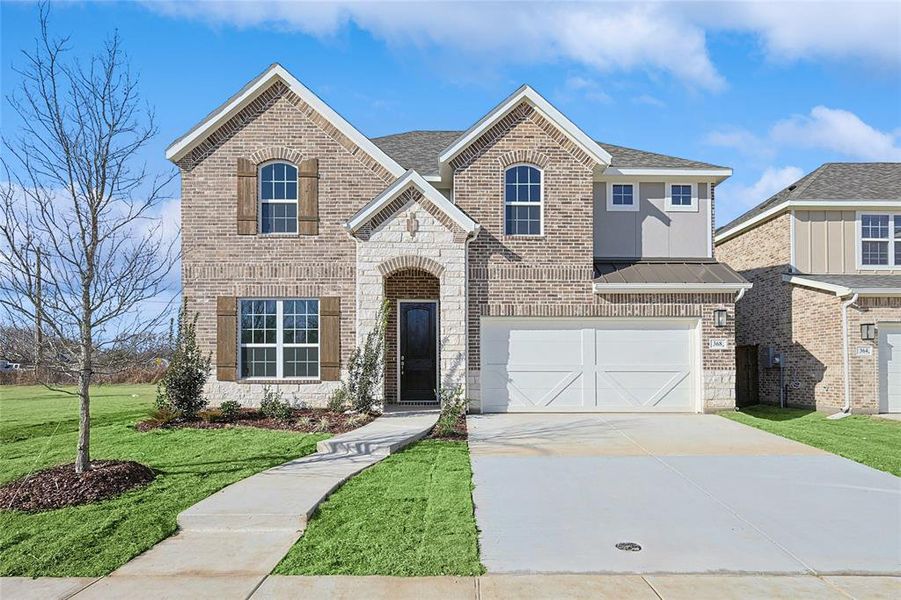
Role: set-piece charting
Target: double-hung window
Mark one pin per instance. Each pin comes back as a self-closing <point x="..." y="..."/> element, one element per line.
<point x="622" y="196"/>
<point x="681" y="197"/>
<point x="523" y="199"/>
<point x="279" y="339"/>
<point x="880" y="240"/>
<point x="278" y="198"/>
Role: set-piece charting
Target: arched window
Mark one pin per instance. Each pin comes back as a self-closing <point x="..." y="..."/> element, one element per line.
<point x="278" y="198"/>
<point x="523" y="199"/>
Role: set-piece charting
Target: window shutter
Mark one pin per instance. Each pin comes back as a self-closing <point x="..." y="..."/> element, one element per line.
<point x="308" y="209"/>
<point x="226" y="338"/>
<point x="247" y="197"/>
<point x="330" y="339"/>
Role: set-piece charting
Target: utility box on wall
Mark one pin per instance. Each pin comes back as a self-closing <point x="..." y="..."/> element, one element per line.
<point x="772" y="358"/>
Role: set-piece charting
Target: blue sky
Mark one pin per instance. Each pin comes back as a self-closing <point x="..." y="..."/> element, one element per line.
<point x="769" y="89"/>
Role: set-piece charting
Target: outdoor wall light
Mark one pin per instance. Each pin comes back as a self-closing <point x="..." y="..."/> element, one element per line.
<point x="719" y="317"/>
<point x="868" y="331"/>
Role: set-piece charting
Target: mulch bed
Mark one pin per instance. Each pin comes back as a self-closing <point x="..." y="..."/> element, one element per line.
<point x="459" y="431"/>
<point x="302" y="421"/>
<point x="61" y="486"/>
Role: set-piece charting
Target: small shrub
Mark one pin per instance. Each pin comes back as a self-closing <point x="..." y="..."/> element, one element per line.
<point x="164" y="415"/>
<point x="338" y="400"/>
<point x="210" y="415"/>
<point x="366" y="365"/>
<point x="181" y="388"/>
<point x="453" y="406"/>
<point x="356" y="420"/>
<point x="305" y="423"/>
<point x="274" y="406"/>
<point x="230" y="410"/>
<point x="323" y="425"/>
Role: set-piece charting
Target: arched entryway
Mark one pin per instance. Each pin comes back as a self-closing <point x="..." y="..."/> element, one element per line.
<point x="412" y="357"/>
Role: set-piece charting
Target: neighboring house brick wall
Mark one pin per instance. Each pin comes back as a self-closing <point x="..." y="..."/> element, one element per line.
<point x="409" y="284"/>
<point x="764" y="314"/>
<point x="865" y="369"/>
<point x="218" y="262"/>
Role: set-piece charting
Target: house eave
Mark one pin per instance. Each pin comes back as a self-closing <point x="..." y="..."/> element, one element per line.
<point x="669" y="288"/>
<point x="841" y="291"/>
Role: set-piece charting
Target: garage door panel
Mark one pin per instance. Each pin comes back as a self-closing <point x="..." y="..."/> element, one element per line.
<point x="890" y="367"/>
<point x="589" y="365"/>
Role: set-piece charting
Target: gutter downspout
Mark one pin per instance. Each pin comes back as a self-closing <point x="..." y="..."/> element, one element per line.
<point x="741" y="294"/>
<point x="846" y="363"/>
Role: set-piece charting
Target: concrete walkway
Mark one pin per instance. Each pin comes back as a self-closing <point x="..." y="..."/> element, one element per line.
<point x="698" y="493"/>
<point x="229" y="542"/>
<point x="502" y="587"/>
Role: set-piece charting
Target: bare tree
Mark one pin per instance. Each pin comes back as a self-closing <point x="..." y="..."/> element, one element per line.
<point x="78" y="195"/>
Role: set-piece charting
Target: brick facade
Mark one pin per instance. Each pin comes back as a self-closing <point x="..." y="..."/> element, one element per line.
<point x="804" y="324"/>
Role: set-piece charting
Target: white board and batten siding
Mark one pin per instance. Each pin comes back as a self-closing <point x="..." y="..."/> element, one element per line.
<point x="590" y="365"/>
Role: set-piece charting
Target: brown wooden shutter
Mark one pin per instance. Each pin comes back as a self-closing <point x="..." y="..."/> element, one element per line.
<point x="308" y="209"/>
<point x="226" y="338"/>
<point x="330" y="339"/>
<point x="247" y="197"/>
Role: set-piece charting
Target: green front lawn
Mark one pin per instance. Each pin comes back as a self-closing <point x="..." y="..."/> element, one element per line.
<point x="410" y="514"/>
<point x="872" y="441"/>
<point x="38" y="429"/>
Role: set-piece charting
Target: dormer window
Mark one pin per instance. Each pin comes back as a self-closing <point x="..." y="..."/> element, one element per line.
<point x="622" y="196"/>
<point x="880" y="240"/>
<point x="278" y="198"/>
<point x="523" y="200"/>
<point x="681" y="197"/>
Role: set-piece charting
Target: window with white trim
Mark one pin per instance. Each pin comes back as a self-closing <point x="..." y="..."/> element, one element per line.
<point x="279" y="339"/>
<point x="278" y="198"/>
<point x="523" y="200"/>
<point x="880" y="240"/>
<point x="622" y="196"/>
<point x="681" y="197"/>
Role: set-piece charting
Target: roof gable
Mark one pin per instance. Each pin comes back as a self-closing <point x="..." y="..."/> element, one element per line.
<point x="534" y="99"/>
<point x="411" y="179"/>
<point x="218" y="117"/>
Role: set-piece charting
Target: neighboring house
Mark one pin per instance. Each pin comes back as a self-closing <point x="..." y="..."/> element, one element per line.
<point x="539" y="269"/>
<point x="824" y="255"/>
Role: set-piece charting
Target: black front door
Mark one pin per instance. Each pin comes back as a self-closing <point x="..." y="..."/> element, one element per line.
<point x="418" y="346"/>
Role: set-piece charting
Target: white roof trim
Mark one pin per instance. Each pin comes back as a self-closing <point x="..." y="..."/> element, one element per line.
<point x="667" y="172"/>
<point x="526" y="94"/>
<point x="217" y="118"/>
<point x="649" y="288"/>
<point x="802" y="204"/>
<point x="400" y="185"/>
<point x="839" y="290"/>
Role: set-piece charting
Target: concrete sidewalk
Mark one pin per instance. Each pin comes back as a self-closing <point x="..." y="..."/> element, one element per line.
<point x="229" y="542"/>
<point x="489" y="587"/>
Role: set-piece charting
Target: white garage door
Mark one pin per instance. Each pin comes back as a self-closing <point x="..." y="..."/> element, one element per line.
<point x="890" y="367"/>
<point x="551" y="365"/>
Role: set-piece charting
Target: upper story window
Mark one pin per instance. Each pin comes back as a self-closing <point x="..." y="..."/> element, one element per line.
<point x="523" y="200"/>
<point x="681" y="197"/>
<point x="279" y="339"/>
<point x="880" y="240"/>
<point x="278" y="198"/>
<point x="622" y="196"/>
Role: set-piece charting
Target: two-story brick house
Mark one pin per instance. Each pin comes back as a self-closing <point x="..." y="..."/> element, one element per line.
<point x="536" y="267"/>
<point x="824" y="255"/>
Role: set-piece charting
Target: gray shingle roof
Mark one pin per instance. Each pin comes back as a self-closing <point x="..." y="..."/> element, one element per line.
<point x="858" y="282"/>
<point x="420" y="150"/>
<point x="666" y="271"/>
<point x="835" y="181"/>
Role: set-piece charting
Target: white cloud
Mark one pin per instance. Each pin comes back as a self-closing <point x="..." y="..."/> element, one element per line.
<point x="839" y="131"/>
<point x="649" y="100"/>
<point x="654" y="37"/>
<point x="734" y="198"/>
<point x="588" y="89"/>
<point x="742" y="141"/>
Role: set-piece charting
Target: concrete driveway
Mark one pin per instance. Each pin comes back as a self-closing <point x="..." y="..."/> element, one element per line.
<point x="698" y="493"/>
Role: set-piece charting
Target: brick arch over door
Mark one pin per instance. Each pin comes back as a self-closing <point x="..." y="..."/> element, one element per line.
<point x="420" y="263"/>
<point x="276" y="153"/>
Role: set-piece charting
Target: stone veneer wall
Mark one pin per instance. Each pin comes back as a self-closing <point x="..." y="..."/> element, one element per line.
<point x="436" y="249"/>
<point x="408" y="284"/>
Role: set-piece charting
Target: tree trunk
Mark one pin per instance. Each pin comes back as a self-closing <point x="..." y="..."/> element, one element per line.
<point x="83" y="454"/>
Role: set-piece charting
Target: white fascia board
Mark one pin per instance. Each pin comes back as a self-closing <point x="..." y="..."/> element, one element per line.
<point x="411" y="177"/>
<point x="668" y="288"/>
<point x="664" y="172"/>
<point x="526" y="94"/>
<point x="804" y="204"/>
<point x="277" y="72"/>
<point x="840" y="290"/>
